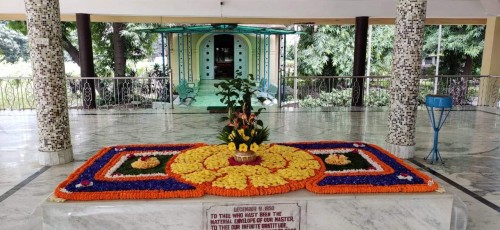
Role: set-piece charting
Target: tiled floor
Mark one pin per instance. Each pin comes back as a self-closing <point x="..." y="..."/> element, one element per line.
<point x="469" y="142"/>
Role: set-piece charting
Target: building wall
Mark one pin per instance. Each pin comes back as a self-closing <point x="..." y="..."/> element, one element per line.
<point x="197" y="39"/>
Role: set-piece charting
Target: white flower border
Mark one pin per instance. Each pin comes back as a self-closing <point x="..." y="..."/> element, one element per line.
<point x="374" y="164"/>
<point x="112" y="170"/>
<point x="331" y="151"/>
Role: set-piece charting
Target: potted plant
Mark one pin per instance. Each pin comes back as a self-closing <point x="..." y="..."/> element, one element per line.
<point x="244" y="132"/>
<point x="236" y="91"/>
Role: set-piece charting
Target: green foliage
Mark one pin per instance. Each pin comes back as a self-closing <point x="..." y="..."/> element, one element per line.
<point x="19" y="26"/>
<point x="13" y="45"/>
<point x="244" y="126"/>
<point x="382" y="49"/>
<point x="235" y="91"/>
<point x="329" y="50"/>
<point x="138" y="45"/>
<point x="377" y="98"/>
<point x="458" y="43"/>
<point x="328" y="99"/>
<point x="343" y="97"/>
<point x="330" y="46"/>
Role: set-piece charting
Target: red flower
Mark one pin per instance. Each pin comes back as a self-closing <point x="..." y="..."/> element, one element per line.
<point x="130" y="156"/>
<point x="85" y="183"/>
<point x="404" y="174"/>
<point x="144" y="158"/>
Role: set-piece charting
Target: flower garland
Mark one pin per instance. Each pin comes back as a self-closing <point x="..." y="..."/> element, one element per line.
<point x="397" y="179"/>
<point x="109" y="190"/>
<point x="282" y="169"/>
<point x="108" y="171"/>
<point x="196" y="169"/>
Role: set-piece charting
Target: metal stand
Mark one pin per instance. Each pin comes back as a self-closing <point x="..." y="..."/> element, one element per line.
<point x="442" y="104"/>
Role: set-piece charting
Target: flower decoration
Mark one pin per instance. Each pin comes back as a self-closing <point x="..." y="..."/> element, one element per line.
<point x="337" y="159"/>
<point x="84" y="183"/>
<point x="278" y="169"/>
<point x="146" y="162"/>
<point x="405" y="176"/>
<point x="244" y="132"/>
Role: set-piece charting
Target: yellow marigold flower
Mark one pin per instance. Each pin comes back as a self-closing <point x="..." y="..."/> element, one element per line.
<point x="231" y="136"/>
<point x="253" y="132"/>
<point x="241" y="132"/>
<point x="246" y="138"/>
<point x="243" y="148"/>
<point x="231" y="146"/>
<point x="254" y="146"/>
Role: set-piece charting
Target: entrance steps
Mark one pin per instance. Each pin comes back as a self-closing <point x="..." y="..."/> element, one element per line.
<point x="206" y="95"/>
<point x="207" y="87"/>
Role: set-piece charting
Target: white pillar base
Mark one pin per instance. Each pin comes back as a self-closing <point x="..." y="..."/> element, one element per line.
<point x="401" y="151"/>
<point x="55" y="158"/>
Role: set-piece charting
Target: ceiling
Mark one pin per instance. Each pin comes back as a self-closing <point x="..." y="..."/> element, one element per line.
<point x="232" y="10"/>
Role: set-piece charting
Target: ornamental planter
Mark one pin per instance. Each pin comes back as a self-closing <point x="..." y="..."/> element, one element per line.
<point x="245" y="157"/>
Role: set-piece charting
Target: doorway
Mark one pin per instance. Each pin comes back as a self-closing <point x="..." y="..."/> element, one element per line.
<point x="224" y="56"/>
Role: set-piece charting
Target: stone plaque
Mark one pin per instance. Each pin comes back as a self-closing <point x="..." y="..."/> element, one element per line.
<point x="271" y="216"/>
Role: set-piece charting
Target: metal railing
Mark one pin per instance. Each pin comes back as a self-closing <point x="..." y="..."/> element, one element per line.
<point x="329" y="91"/>
<point x="155" y="92"/>
<point x="109" y="93"/>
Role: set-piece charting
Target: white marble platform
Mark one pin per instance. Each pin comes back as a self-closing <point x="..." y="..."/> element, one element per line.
<point x="469" y="142"/>
<point x="317" y="212"/>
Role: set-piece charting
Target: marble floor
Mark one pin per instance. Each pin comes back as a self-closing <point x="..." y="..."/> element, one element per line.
<point x="469" y="142"/>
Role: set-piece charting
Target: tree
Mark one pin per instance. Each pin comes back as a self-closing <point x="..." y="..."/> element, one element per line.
<point x="116" y="43"/>
<point x="13" y="45"/>
<point x="137" y="45"/>
<point x="461" y="47"/>
<point x="133" y="46"/>
<point x="112" y="43"/>
<point x="461" y="54"/>
<point x="68" y="37"/>
<point x="382" y="47"/>
<point x="328" y="51"/>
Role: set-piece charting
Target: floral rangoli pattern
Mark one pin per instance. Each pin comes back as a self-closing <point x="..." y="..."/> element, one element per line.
<point x="192" y="170"/>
